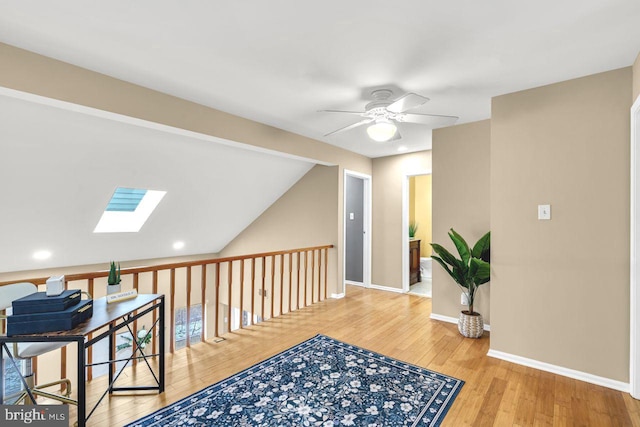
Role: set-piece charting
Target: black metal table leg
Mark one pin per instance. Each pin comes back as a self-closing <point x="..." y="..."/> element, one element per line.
<point x="82" y="384"/>
<point x="162" y="334"/>
<point x="1" y="377"/>
<point x="112" y="340"/>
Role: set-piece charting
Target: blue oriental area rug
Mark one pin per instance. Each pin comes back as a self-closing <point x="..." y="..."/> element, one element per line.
<point x="320" y="382"/>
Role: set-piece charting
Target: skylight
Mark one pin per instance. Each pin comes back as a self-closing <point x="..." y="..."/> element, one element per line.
<point x="125" y="199"/>
<point x="128" y="210"/>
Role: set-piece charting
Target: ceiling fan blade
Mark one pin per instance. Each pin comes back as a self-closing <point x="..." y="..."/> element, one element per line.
<point x="407" y="102"/>
<point x="353" y="126"/>
<point x="431" y="120"/>
<point x="340" y="111"/>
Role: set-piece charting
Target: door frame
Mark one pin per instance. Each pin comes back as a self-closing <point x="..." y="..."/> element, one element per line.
<point x="366" y="223"/>
<point x="634" y="344"/>
<point x="405" y="225"/>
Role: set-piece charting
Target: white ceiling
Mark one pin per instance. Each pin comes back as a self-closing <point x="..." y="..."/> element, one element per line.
<point x="60" y="168"/>
<point x="279" y="61"/>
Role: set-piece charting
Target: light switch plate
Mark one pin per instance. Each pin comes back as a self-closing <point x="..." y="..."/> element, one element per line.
<point x="463" y="299"/>
<point x="351" y="216"/>
<point x="544" y="212"/>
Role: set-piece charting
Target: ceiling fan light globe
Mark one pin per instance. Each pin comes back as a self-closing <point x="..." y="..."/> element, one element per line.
<point x="382" y="131"/>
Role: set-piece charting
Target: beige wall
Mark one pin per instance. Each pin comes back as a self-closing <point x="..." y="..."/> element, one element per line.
<point x="412" y="199"/>
<point x="387" y="232"/>
<point x="636" y="78"/>
<point x="460" y="201"/>
<point x="560" y="288"/>
<point x="422" y="214"/>
<point x="303" y="217"/>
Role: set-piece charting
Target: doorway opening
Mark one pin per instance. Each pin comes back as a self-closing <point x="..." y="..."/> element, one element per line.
<point x="357" y="229"/>
<point x="416" y="226"/>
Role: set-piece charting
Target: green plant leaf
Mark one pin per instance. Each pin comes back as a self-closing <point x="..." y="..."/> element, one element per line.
<point x="446" y="255"/>
<point x="482" y="271"/>
<point x="482" y="247"/>
<point x="461" y="246"/>
<point x="443" y="264"/>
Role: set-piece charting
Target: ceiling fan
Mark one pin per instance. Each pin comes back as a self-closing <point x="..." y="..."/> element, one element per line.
<point x="382" y="114"/>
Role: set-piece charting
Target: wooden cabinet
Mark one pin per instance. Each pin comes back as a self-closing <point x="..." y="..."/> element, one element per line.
<point x="414" y="261"/>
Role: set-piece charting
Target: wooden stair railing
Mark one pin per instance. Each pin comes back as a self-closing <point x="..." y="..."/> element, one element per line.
<point x="285" y="291"/>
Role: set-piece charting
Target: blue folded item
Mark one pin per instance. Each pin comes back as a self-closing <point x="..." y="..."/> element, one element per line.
<point x="39" y="302"/>
<point x="34" y="323"/>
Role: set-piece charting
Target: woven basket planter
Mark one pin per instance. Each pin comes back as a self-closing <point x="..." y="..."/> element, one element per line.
<point x="470" y="325"/>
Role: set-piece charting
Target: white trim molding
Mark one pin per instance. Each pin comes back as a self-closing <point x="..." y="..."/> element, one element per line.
<point x="386" y="288"/>
<point x="634" y="342"/>
<point x="450" y="319"/>
<point x="560" y="370"/>
<point x="352" y="283"/>
<point x="337" y="296"/>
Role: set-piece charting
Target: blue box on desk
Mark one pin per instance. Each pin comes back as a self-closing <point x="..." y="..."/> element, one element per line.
<point x="35" y="323"/>
<point x="39" y="302"/>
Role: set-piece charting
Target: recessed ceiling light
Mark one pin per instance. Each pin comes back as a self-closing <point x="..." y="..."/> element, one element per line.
<point x="41" y="255"/>
<point x="402" y="148"/>
<point x="178" y="245"/>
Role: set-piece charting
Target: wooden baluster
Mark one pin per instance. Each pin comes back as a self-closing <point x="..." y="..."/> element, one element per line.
<point x="134" y="362"/>
<point x="172" y="311"/>
<point x="281" y="282"/>
<point x="241" y="293"/>
<point x="290" y="279"/>
<point x="203" y="301"/>
<point x="217" y="306"/>
<point x="229" y="283"/>
<point x="264" y="275"/>
<point x="326" y="263"/>
<point x="273" y="285"/>
<point x="298" y="282"/>
<point x="154" y="290"/>
<point x="319" y="275"/>
<point x="305" y="278"/>
<point x="253" y="289"/>
<point x="313" y="270"/>
<point x="90" y="337"/>
<point x="188" y="306"/>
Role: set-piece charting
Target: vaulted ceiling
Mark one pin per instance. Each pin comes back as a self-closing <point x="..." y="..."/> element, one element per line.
<point x="275" y="62"/>
<point x="61" y="167"/>
<point x="278" y="62"/>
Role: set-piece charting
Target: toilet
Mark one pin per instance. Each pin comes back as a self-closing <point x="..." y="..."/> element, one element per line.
<point x="425" y="267"/>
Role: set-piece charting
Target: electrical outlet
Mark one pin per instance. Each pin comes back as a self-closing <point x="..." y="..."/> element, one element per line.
<point x="262" y="293"/>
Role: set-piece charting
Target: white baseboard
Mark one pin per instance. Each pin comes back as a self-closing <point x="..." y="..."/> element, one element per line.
<point x="337" y="296"/>
<point x="386" y="288"/>
<point x="351" y="282"/>
<point x="566" y="372"/>
<point x="453" y="320"/>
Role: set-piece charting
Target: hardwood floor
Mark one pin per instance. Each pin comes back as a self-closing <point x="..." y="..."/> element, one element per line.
<point x="496" y="392"/>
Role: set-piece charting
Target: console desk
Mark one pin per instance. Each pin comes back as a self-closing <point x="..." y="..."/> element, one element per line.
<point x="113" y="317"/>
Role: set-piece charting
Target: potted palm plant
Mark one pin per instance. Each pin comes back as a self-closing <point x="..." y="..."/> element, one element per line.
<point x="413" y="228"/>
<point x="113" y="281"/>
<point x="469" y="272"/>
